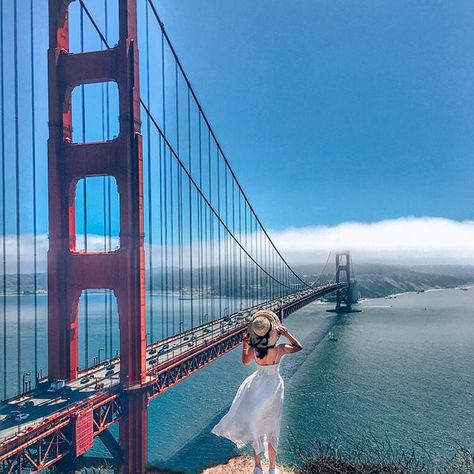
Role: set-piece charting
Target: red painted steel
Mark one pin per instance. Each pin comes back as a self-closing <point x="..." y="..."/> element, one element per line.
<point x="62" y="314"/>
<point x="83" y="431"/>
<point x="69" y="271"/>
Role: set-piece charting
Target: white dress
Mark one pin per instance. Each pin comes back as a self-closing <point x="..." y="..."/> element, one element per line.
<point x="255" y="413"/>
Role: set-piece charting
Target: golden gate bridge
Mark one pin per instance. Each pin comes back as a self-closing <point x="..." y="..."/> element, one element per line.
<point x="156" y="259"/>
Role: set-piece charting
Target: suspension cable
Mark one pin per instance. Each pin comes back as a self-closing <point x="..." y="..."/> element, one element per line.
<point x="191" y="91"/>
<point x="322" y="270"/>
<point x="195" y="185"/>
<point x="150" y="213"/>
<point x="84" y="194"/>
<point x="17" y="195"/>
<point x="4" y="247"/>
<point x="33" y="167"/>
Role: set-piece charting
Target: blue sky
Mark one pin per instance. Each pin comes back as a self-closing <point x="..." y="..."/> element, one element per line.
<point x="334" y="111"/>
<point x="330" y="112"/>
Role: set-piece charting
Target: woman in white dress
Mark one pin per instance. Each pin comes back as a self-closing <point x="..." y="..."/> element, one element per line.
<point x="256" y="410"/>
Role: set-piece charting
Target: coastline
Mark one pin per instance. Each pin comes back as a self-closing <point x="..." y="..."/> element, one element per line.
<point x="467" y="286"/>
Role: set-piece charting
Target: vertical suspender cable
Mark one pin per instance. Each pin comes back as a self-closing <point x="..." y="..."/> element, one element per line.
<point x="17" y="198"/>
<point x="180" y="248"/>
<point x="104" y="201"/>
<point x="246" y="261"/>
<point x="240" y="251"/>
<point x="180" y="211"/>
<point x="219" y="232"/>
<point x="162" y="185"/>
<point x="109" y="187"/>
<point x="109" y="216"/>
<point x="33" y="167"/>
<point x="150" y="213"/>
<point x="4" y="244"/>
<point x="227" y="237"/>
<point x="83" y="109"/>
<point x="165" y="203"/>
<point x="234" y="269"/>
<point x="171" y="202"/>
<point x="190" y="212"/>
<point x="211" y="226"/>
<point x="199" y="209"/>
<point x="204" y="238"/>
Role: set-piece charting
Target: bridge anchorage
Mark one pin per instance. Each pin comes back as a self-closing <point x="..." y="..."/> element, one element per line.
<point x="349" y="294"/>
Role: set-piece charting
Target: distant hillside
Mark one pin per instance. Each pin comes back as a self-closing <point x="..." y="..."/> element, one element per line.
<point x="460" y="271"/>
<point x="378" y="280"/>
<point x="375" y="280"/>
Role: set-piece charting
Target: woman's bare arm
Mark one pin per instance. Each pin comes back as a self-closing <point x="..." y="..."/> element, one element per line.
<point x="247" y="351"/>
<point x="295" y="345"/>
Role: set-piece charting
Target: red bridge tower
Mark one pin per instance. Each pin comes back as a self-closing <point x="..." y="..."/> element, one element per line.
<point x="71" y="271"/>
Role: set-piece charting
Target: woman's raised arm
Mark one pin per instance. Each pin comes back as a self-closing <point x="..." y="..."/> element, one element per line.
<point x="247" y="351"/>
<point x="295" y="345"/>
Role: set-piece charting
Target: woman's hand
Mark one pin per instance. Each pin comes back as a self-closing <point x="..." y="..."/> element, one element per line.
<point x="247" y="353"/>
<point x="280" y="329"/>
<point x="295" y="344"/>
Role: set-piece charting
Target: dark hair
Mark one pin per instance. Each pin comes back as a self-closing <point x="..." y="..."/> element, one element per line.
<point x="256" y="343"/>
<point x="261" y="352"/>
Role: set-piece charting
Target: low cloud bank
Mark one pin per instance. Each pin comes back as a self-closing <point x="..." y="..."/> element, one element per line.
<point x="406" y="240"/>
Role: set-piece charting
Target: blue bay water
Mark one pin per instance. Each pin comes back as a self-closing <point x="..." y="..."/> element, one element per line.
<point x="401" y="369"/>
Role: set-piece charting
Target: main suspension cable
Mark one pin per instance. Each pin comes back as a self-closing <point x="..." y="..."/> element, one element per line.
<point x="195" y="185"/>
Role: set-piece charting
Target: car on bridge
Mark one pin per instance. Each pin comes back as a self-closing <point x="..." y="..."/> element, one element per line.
<point x="12" y="415"/>
<point x="22" y="416"/>
<point x="56" y="385"/>
<point x="26" y="405"/>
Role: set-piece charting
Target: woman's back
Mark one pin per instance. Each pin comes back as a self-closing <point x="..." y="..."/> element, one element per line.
<point x="273" y="356"/>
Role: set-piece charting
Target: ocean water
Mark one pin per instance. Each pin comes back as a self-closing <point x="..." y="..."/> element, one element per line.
<point x="401" y="370"/>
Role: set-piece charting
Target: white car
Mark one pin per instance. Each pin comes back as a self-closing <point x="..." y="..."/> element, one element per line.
<point x="22" y="416"/>
<point x="56" y="385"/>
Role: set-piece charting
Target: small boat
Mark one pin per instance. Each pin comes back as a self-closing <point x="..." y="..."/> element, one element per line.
<point x="332" y="336"/>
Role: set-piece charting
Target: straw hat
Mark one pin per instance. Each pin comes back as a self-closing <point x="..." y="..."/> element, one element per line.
<point x="262" y="329"/>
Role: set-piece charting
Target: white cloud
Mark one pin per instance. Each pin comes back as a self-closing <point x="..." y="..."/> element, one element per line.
<point x="405" y="240"/>
<point x="26" y="253"/>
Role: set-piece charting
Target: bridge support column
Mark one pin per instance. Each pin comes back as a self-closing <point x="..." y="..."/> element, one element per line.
<point x="71" y="271"/>
<point x="134" y="432"/>
<point x="344" y="297"/>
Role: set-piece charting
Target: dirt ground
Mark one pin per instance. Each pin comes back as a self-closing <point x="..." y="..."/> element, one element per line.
<point x="244" y="465"/>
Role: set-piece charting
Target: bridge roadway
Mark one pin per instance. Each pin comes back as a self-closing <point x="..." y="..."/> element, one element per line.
<point x="99" y="385"/>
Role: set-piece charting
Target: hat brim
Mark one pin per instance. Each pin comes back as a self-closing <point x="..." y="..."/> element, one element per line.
<point x="273" y="336"/>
